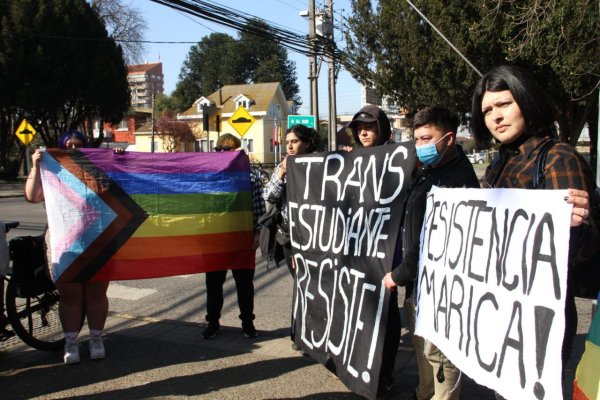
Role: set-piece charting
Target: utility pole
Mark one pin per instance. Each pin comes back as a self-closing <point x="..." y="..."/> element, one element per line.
<point x="331" y="76"/>
<point x="153" y="96"/>
<point x="313" y="77"/>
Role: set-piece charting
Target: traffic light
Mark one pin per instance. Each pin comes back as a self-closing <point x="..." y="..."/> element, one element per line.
<point x="205" y="120"/>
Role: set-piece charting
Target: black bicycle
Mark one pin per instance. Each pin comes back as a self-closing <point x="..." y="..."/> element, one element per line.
<point x="30" y="307"/>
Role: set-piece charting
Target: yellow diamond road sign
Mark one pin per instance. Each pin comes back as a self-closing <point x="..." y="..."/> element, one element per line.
<point x="25" y="132"/>
<point x="241" y="120"/>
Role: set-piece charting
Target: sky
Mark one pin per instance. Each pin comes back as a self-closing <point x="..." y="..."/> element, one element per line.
<point x="165" y="24"/>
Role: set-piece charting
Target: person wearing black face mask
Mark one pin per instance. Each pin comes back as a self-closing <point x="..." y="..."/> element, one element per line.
<point x="442" y="163"/>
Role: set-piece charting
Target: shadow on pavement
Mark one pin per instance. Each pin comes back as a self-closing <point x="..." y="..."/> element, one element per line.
<point x="139" y="367"/>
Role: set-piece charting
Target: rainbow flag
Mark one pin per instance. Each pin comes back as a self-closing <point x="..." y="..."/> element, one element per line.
<point x="587" y="377"/>
<point x="146" y="215"/>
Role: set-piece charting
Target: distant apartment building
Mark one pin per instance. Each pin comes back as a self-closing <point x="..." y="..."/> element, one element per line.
<point x="144" y="79"/>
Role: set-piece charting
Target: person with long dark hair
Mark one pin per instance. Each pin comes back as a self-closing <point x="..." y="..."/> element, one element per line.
<point x="510" y="107"/>
<point x="299" y="139"/>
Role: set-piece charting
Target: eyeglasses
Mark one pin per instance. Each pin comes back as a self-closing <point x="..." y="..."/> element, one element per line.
<point x="222" y="148"/>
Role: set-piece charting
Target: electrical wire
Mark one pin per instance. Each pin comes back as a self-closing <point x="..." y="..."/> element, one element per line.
<point x="242" y="22"/>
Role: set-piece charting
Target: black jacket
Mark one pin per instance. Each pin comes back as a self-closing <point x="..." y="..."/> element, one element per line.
<point x="383" y="124"/>
<point x="457" y="172"/>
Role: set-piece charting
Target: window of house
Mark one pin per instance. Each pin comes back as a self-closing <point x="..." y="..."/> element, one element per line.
<point x="204" y="145"/>
<point x="248" y="144"/>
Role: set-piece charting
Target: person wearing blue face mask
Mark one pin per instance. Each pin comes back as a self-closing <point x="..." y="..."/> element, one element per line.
<point x="441" y="163"/>
<point x="428" y="153"/>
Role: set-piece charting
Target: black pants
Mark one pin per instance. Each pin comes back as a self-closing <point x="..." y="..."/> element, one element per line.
<point x="287" y="254"/>
<point x="392" y="337"/>
<point x="245" y="294"/>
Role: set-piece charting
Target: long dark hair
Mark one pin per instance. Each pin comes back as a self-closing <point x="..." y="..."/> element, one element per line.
<point x="536" y="107"/>
<point x="307" y="135"/>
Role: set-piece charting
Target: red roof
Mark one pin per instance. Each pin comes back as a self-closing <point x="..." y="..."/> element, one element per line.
<point x="132" y="69"/>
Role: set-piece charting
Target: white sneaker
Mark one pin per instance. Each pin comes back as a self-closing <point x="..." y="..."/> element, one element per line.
<point x="71" y="355"/>
<point x="97" y="349"/>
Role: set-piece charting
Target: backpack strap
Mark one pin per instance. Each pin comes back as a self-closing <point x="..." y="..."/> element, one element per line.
<point x="540" y="165"/>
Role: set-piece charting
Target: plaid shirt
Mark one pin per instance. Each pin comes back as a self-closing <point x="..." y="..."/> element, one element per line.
<point x="513" y="167"/>
<point x="258" y="204"/>
<point x="565" y="169"/>
<point x="275" y="192"/>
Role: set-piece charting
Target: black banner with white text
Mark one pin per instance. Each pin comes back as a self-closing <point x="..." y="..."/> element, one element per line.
<point x="344" y="212"/>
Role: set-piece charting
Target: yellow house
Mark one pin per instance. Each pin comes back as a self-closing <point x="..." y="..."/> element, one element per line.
<point x="256" y="113"/>
<point x="144" y="139"/>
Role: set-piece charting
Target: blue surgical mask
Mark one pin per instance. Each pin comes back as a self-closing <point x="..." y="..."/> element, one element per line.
<point x="428" y="153"/>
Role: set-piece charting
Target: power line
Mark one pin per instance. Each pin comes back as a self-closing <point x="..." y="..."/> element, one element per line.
<point x="241" y="22"/>
<point x="289" y="5"/>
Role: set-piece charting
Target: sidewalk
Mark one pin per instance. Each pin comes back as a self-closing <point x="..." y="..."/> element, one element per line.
<point x="11" y="189"/>
<point x="150" y="358"/>
<point x="153" y="358"/>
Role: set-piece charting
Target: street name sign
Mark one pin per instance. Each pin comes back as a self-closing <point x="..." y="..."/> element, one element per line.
<point x="25" y="132"/>
<point x="241" y="121"/>
<point x="306" y="120"/>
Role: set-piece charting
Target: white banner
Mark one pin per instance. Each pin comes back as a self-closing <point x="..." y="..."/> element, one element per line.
<point x="492" y="285"/>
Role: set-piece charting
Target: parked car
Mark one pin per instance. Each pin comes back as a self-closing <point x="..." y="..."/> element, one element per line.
<point x="477" y="158"/>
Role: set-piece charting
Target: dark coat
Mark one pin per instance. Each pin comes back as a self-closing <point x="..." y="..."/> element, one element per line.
<point x="383" y="124"/>
<point x="457" y="172"/>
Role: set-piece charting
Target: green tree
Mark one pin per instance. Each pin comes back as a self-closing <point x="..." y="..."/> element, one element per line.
<point x="212" y="60"/>
<point x="393" y="49"/>
<point x="58" y="68"/>
<point x="163" y="103"/>
<point x="560" y="41"/>
<point x="266" y="61"/>
<point x="222" y="59"/>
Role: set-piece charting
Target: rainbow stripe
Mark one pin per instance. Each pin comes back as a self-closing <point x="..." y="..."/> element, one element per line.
<point x="587" y="377"/>
<point x="154" y="214"/>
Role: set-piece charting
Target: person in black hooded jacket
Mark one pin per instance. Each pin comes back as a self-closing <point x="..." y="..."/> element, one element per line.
<point x="371" y="127"/>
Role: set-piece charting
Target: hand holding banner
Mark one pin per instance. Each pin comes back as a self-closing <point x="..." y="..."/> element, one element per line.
<point x="492" y="285"/>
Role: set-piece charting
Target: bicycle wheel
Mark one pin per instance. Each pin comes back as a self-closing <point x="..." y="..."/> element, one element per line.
<point x="35" y="319"/>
